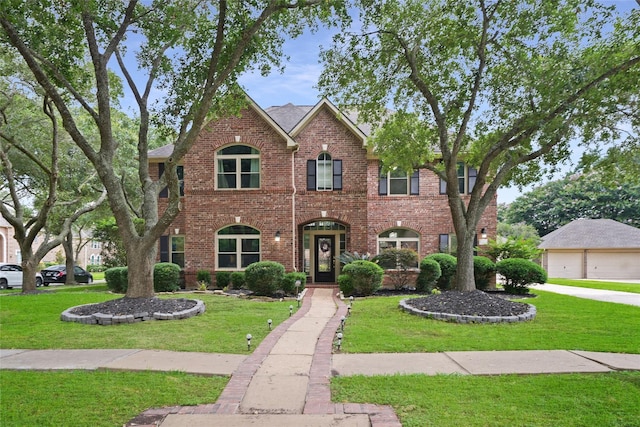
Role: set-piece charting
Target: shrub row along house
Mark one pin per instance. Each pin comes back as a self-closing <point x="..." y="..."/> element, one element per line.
<point x="298" y="185"/>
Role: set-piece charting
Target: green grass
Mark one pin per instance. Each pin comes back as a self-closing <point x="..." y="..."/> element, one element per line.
<point x="33" y="322"/>
<point x="611" y="399"/>
<point x="562" y="323"/>
<point x="97" y="398"/>
<point x="596" y="284"/>
<point x="98" y="276"/>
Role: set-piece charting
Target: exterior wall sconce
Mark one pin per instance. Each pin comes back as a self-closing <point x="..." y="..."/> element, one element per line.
<point x="277" y="236"/>
<point x="483" y="233"/>
<point x="323" y="214"/>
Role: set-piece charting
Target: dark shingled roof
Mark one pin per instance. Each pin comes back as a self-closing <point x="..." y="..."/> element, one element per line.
<point x="592" y="234"/>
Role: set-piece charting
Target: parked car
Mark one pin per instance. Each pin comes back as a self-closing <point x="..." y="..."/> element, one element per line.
<point x="58" y="274"/>
<point x="11" y="276"/>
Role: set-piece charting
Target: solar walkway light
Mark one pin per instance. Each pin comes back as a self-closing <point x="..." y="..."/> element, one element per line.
<point x="249" y="342"/>
<point x="269" y="322"/>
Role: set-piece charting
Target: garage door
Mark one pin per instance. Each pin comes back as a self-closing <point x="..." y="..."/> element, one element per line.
<point x="565" y="265"/>
<point x="613" y="265"/>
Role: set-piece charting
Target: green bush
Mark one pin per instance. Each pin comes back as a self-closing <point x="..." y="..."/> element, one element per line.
<point x="166" y="277"/>
<point x="203" y="276"/>
<point x="96" y="268"/>
<point x="264" y="277"/>
<point x="429" y="274"/>
<point x="398" y="264"/>
<point x="288" y="284"/>
<point x="238" y="280"/>
<point x="117" y="279"/>
<point x="345" y="282"/>
<point x="483" y="270"/>
<point x="513" y="248"/>
<point x="448" y="264"/>
<point x="519" y="273"/>
<point x="223" y="278"/>
<point x="365" y="277"/>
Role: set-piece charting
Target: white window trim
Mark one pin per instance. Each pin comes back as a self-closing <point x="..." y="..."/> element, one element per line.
<point x="238" y="253"/>
<point x="238" y="158"/>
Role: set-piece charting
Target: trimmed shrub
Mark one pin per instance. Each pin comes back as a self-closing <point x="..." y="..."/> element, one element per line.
<point x="398" y="263"/>
<point x="448" y="264"/>
<point x="365" y="277"/>
<point x="96" y="268"/>
<point x="166" y="277"/>
<point x="238" y="280"/>
<point x="345" y="282"/>
<point x="203" y="276"/>
<point x="429" y="274"/>
<point x="223" y="278"/>
<point x="483" y="269"/>
<point x="519" y="273"/>
<point x="264" y="277"/>
<point x="117" y="279"/>
<point x="288" y="284"/>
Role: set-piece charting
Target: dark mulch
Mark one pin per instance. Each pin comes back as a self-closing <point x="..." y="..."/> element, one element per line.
<point x="473" y="303"/>
<point x="125" y="306"/>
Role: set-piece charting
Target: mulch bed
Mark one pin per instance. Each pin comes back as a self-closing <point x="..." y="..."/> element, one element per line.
<point x="126" y="306"/>
<point x="473" y="303"/>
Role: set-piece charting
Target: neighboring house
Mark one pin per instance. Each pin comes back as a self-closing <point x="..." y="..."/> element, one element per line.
<point x="9" y="248"/>
<point x="592" y="249"/>
<point x="297" y="185"/>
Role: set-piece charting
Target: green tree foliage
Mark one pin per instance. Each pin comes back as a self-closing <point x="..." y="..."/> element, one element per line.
<point x="512" y="247"/>
<point x="557" y="203"/>
<point x="519" y="230"/>
<point x="190" y="51"/>
<point x="503" y="85"/>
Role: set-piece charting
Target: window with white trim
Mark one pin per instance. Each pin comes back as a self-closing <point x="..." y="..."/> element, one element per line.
<point x="399" y="238"/>
<point x="324" y="173"/>
<point x="467" y="176"/>
<point x="398" y="182"/>
<point x="238" y="167"/>
<point x="237" y="247"/>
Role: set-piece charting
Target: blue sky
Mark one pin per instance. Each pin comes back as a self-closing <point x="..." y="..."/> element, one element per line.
<point x="297" y="84"/>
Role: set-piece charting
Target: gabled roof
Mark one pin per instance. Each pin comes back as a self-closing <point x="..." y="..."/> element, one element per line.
<point x="593" y="234"/>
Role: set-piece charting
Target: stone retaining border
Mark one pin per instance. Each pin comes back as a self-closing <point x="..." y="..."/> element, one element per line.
<point x="108" y="319"/>
<point x="461" y="318"/>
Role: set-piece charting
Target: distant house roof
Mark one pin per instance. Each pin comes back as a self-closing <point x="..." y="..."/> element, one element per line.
<point x="593" y="234"/>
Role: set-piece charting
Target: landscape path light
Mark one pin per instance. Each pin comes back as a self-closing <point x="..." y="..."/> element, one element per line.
<point x="249" y="341"/>
<point x="349" y="310"/>
<point x="269" y="322"/>
<point x="290" y="310"/>
<point x="351" y="299"/>
<point x="342" y="320"/>
<point x="339" y="340"/>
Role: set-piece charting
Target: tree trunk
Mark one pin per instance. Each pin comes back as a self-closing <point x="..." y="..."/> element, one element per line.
<point x="465" y="280"/>
<point x="29" y="268"/>
<point x="140" y="263"/>
<point x="70" y="262"/>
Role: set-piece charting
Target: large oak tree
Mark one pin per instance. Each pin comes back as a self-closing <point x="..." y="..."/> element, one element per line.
<point x="502" y="85"/>
<point x="185" y="55"/>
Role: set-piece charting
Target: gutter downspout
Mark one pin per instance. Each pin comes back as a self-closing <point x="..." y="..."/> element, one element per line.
<point x="293" y="209"/>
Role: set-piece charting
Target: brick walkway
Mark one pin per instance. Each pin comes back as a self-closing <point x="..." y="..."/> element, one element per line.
<point x="318" y="395"/>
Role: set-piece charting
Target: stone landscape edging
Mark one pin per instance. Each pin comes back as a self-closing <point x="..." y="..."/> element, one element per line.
<point x="465" y="318"/>
<point x="109" y="319"/>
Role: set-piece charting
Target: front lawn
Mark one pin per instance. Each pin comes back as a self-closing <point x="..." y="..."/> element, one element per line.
<point x="562" y="323"/>
<point x="611" y="399"/>
<point x="33" y="322"/>
<point x="97" y="398"/>
<point x="596" y="284"/>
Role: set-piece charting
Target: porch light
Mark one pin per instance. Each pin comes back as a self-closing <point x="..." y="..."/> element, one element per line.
<point x="249" y="341"/>
<point x="277" y="236"/>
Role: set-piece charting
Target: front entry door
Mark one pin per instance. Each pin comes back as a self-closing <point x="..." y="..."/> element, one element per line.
<point x="325" y="270"/>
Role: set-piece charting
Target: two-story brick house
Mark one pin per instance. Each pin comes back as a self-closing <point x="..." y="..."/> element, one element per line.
<point x="297" y="185"/>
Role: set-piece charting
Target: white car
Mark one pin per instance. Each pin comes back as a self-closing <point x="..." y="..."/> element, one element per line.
<point x="11" y="276"/>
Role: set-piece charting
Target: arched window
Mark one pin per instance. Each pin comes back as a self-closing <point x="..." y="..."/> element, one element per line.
<point x="399" y="238"/>
<point x="324" y="173"/>
<point x="238" y="167"/>
<point x="238" y="246"/>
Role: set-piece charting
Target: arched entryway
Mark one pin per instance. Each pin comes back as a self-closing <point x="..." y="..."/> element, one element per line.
<point x="322" y="243"/>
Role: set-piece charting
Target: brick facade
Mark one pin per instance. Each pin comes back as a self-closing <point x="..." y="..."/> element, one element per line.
<point x="356" y="214"/>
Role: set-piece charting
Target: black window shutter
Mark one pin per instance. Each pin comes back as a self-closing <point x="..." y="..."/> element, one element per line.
<point x="337" y="174"/>
<point x="382" y="184"/>
<point x="164" y="248"/>
<point x="311" y="175"/>
<point x="164" y="193"/>
<point x="415" y="183"/>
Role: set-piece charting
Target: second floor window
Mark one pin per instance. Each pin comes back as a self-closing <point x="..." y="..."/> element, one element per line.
<point x="324" y="173"/>
<point x="180" y="171"/>
<point x="466" y="179"/>
<point x="238" y="167"/>
<point x="397" y="182"/>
